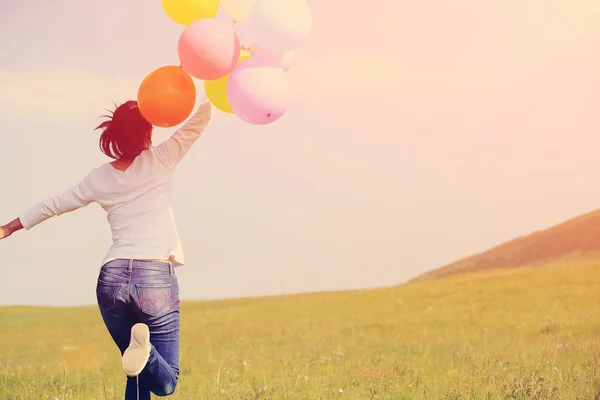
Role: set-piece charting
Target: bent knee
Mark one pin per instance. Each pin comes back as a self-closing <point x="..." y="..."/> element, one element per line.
<point x="167" y="389"/>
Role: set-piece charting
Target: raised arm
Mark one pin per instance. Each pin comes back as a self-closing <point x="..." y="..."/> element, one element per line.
<point x="172" y="150"/>
<point x="78" y="196"/>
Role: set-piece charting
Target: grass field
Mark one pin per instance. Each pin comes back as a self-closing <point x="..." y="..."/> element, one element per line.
<point x="513" y="334"/>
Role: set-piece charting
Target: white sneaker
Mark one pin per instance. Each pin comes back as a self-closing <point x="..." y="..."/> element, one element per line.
<point x="137" y="354"/>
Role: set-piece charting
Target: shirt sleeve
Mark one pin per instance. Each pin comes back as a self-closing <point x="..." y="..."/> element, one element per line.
<point x="172" y="150"/>
<point x="78" y="196"/>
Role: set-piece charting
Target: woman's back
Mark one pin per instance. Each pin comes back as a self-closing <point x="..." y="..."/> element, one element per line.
<point x="137" y="199"/>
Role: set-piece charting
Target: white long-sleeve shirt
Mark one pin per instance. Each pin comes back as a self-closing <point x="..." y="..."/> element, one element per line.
<point x="137" y="201"/>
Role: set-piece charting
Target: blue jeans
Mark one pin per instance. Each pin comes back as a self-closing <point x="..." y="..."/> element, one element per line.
<point x="132" y="291"/>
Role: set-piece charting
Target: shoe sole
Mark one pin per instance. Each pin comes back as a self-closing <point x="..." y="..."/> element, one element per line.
<point x="137" y="354"/>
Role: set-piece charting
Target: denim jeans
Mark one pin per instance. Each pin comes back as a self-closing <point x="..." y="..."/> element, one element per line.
<point x="132" y="291"/>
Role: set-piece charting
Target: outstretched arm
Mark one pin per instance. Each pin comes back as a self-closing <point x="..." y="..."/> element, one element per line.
<point x="78" y="196"/>
<point x="172" y="150"/>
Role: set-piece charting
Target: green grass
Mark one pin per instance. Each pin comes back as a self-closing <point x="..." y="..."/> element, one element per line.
<point x="513" y="334"/>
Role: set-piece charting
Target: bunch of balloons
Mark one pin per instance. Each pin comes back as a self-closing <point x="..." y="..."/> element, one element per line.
<point x="249" y="82"/>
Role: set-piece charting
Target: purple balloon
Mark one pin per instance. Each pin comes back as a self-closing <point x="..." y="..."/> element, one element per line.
<point x="258" y="95"/>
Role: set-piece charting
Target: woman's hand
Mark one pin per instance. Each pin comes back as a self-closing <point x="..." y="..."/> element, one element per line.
<point x="10" y="228"/>
<point x="5" y="232"/>
<point x="205" y="110"/>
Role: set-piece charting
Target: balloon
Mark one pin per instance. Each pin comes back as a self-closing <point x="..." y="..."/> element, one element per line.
<point x="258" y="95"/>
<point x="280" y="25"/>
<point x="217" y="90"/>
<point x="280" y="60"/>
<point x="166" y="96"/>
<point x="238" y="10"/>
<point x="208" y="49"/>
<point x="223" y="16"/>
<point x="184" y="12"/>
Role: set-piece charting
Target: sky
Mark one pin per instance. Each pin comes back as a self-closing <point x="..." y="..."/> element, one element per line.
<point x="419" y="132"/>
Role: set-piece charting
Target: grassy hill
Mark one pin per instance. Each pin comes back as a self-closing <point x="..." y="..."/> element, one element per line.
<point x="578" y="238"/>
<point x="510" y="334"/>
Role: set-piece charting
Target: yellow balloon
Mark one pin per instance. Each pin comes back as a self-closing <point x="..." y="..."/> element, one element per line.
<point x="217" y="90"/>
<point x="184" y="12"/>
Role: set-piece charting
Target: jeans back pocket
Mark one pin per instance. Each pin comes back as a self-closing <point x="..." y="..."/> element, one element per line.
<point x="154" y="299"/>
<point x="106" y="294"/>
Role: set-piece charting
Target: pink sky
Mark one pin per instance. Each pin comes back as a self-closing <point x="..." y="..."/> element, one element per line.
<point x="420" y="132"/>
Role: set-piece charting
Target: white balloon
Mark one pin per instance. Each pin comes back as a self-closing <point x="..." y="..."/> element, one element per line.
<point x="280" y="25"/>
<point x="238" y="10"/>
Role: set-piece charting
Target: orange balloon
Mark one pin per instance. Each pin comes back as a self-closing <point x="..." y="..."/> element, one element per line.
<point x="167" y="96"/>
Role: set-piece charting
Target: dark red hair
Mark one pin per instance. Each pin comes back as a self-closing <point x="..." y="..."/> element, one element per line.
<point x="125" y="133"/>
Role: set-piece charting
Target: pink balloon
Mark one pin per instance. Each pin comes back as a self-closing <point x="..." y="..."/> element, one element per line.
<point x="258" y="95"/>
<point x="280" y="60"/>
<point x="208" y="49"/>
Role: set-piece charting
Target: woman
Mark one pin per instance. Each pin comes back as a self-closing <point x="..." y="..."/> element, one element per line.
<point x="137" y="290"/>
